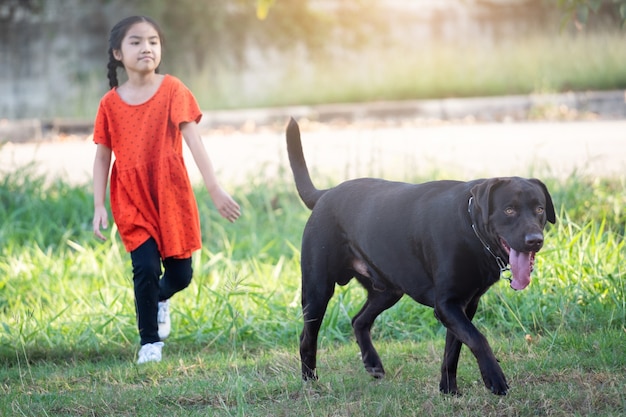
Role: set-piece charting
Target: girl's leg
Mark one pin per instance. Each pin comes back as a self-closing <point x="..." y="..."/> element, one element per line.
<point x="146" y="272"/>
<point x="177" y="277"/>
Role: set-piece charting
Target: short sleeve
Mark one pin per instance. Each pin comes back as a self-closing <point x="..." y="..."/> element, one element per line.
<point x="184" y="107"/>
<point x="101" y="133"/>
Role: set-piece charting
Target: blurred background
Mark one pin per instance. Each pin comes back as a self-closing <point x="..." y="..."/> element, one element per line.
<point x="53" y="53"/>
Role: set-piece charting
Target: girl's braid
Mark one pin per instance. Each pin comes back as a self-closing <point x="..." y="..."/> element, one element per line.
<point x="112" y="67"/>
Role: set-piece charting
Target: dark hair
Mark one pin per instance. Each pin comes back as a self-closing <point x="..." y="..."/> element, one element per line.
<point x="115" y="43"/>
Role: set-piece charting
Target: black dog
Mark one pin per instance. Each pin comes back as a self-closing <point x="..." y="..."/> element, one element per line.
<point x="443" y="243"/>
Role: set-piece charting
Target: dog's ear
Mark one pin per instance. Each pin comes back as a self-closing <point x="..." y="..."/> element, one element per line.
<point x="550" y="213"/>
<point x="482" y="196"/>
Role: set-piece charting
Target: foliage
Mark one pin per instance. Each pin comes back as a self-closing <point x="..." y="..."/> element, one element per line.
<point x="578" y="11"/>
<point x="263" y="8"/>
<point x="213" y="33"/>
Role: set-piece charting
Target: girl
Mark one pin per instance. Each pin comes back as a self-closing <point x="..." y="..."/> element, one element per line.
<point x="143" y="122"/>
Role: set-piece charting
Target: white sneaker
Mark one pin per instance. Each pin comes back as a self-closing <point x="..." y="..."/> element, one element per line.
<point x="163" y="319"/>
<point x="150" y="352"/>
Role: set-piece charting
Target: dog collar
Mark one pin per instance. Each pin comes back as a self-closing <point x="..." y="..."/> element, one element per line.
<point x="501" y="264"/>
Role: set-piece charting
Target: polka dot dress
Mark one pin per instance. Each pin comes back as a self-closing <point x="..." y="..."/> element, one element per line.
<point x="151" y="195"/>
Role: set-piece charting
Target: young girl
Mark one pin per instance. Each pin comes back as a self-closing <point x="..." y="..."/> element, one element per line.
<point x="143" y="122"/>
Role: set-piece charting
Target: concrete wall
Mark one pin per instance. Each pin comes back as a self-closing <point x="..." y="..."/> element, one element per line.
<point x="46" y="59"/>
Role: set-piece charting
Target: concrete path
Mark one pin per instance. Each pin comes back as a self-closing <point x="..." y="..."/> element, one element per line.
<point x="458" y="150"/>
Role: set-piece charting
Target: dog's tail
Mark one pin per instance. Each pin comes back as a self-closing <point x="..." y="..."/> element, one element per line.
<point x="308" y="193"/>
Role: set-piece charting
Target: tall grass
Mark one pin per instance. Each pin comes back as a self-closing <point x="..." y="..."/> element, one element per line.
<point x="63" y="294"/>
<point x="547" y="61"/>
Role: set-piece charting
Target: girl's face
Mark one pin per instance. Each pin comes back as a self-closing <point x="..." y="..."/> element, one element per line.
<point x="140" y="50"/>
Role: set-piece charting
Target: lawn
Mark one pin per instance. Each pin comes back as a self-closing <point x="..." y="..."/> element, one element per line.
<point x="68" y="341"/>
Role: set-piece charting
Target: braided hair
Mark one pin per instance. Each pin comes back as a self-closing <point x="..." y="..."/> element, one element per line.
<point x="115" y="43"/>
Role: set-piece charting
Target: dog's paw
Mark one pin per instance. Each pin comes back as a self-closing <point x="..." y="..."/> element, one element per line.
<point x="497" y="384"/>
<point x="448" y="387"/>
<point x="454" y="393"/>
<point x="501" y="389"/>
<point x="377" y="371"/>
<point x="309" y="375"/>
<point x="494" y="378"/>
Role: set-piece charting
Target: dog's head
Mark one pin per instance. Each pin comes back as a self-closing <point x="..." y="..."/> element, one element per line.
<point x="513" y="212"/>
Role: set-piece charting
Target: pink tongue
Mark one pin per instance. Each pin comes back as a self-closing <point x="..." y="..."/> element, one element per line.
<point x="520" y="268"/>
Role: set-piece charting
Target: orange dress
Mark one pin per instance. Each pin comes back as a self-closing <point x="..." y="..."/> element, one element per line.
<point x="151" y="195"/>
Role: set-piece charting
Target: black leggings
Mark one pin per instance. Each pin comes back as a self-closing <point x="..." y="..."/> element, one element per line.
<point x="150" y="288"/>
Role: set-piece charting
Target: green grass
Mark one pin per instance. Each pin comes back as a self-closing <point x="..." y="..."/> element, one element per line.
<point x="547" y="61"/>
<point x="265" y="383"/>
<point x="68" y="340"/>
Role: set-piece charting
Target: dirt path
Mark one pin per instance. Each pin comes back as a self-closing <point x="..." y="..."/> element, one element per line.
<point x="462" y="151"/>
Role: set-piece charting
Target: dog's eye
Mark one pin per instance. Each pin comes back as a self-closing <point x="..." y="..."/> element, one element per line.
<point x="539" y="210"/>
<point x="509" y="211"/>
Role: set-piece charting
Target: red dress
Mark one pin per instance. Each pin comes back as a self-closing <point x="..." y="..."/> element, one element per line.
<point x="151" y="195"/>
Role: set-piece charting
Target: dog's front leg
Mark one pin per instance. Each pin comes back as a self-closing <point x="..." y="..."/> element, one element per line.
<point x="452" y="351"/>
<point x="456" y="321"/>
<point x="451" y="354"/>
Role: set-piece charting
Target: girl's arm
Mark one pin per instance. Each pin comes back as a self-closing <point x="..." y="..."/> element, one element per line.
<point x="227" y="207"/>
<point x="101" y="166"/>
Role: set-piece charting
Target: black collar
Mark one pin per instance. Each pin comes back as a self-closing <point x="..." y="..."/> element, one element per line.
<point x="501" y="263"/>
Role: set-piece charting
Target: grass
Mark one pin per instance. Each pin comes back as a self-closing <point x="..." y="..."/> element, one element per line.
<point x="262" y="383"/>
<point x="68" y="339"/>
<point x="546" y="61"/>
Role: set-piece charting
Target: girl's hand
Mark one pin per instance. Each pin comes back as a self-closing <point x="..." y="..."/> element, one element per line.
<point x="100" y="218"/>
<point x="227" y="207"/>
<point x="101" y="166"/>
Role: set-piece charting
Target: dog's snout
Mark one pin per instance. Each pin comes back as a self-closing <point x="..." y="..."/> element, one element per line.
<point x="534" y="240"/>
